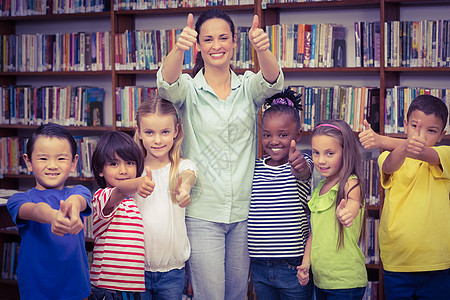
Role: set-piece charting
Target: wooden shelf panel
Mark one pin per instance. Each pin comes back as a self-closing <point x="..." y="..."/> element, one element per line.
<point x="70" y="128"/>
<point x="186" y="10"/>
<point x="62" y="73"/>
<point x="327" y="4"/>
<point x="51" y="17"/>
<point x="346" y="69"/>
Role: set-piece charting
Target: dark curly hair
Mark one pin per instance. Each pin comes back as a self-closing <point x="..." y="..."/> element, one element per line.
<point x="286" y="102"/>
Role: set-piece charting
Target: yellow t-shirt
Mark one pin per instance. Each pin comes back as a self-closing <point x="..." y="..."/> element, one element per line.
<point x="414" y="229"/>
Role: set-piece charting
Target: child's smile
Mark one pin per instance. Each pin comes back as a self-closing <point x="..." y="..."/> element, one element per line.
<point x="278" y="130"/>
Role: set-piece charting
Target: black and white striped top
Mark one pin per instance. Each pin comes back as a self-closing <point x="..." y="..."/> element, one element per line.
<point x="277" y="222"/>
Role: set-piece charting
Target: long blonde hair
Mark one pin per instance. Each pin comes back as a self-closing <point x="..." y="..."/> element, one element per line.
<point x="162" y="107"/>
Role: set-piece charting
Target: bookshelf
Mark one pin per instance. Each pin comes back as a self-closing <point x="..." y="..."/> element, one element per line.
<point x="134" y="18"/>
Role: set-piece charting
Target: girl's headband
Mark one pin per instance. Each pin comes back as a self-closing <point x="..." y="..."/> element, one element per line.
<point x="328" y="125"/>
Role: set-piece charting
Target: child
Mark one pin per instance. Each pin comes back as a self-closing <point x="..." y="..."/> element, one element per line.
<point x="159" y="134"/>
<point x="220" y="111"/>
<point x="52" y="260"/>
<point x="337" y="215"/>
<point x="118" y="266"/>
<point x="414" y="229"/>
<point x="277" y="223"/>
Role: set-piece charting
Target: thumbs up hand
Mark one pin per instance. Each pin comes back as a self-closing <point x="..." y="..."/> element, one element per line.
<point x="188" y="36"/>
<point x="257" y="36"/>
<point x="344" y="215"/>
<point x="60" y="225"/>
<point x="368" y="138"/>
<point x="182" y="196"/>
<point x="146" y="184"/>
<point x="415" y="142"/>
<point x="299" y="166"/>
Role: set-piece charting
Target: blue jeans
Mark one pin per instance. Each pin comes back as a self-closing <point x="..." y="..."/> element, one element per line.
<point x="417" y="285"/>
<point x="164" y="285"/>
<point x="275" y="279"/>
<point x="339" y="294"/>
<point x="107" y="294"/>
<point x="219" y="262"/>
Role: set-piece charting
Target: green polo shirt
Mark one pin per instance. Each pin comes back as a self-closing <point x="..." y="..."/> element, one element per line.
<point x="220" y="136"/>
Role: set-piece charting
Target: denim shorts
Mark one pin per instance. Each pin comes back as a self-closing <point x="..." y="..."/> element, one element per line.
<point x="277" y="279"/>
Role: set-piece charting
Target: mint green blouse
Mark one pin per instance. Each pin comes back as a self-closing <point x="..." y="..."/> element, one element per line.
<point x="220" y="137"/>
<point x="334" y="269"/>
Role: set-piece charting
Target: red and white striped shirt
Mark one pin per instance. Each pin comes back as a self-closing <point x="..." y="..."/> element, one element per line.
<point x="119" y="253"/>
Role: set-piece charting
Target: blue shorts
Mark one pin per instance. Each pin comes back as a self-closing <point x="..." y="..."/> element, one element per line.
<point x="417" y="285"/>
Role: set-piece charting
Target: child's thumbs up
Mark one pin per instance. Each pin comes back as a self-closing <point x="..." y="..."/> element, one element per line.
<point x="343" y="214"/>
<point x="64" y="207"/>
<point x="182" y="195"/>
<point x="418" y="129"/>
<point x="146" y="184"/>
<point x="292" y="148"/>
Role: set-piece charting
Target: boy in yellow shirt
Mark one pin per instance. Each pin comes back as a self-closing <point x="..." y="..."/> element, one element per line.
<point x="414" y="229"/>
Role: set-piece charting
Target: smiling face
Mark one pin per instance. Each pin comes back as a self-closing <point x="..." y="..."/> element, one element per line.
<point x="117" y="170"/>
<point x="216" y="43"/>
<point x="51" y="162"/>
<point x="327" y="156"/>
<point x="431" y="127"/>
<point x="278" y="130"/>
<point x="157" y="133"/>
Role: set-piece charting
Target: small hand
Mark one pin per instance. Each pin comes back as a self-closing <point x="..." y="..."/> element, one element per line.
<point x="75" y="222"/>
<point x="344" y="215"/>
<point x="303" y="274"/>
<point x="146" y="184"/>
<point x="368" y="138"/>
<point x="257" y="36"/>
<point x="297" y="160"/>
<point x="60" y="225"/>
<point x="183" y="196"/>
<point x="415" y="143"/>
<point x="188" y="36"/>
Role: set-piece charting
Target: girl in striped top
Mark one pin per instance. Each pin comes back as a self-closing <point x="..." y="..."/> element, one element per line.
<point x="119" y="254"/>
<point x="277" y="223"/>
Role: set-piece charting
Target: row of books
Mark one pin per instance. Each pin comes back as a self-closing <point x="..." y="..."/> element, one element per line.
<point x="265" y="2"/>
<point x="155" y="4"/>
<point x="146" y="49"/>
<point x="39" y="52"/>
<point x="308" y="45"/>
<point x="9" y="260"/>
<point x="369" y="246"/>
<point x="423" y="43"/>
<point x="13" y="148"/>
<point x="65" y="105"/>
<point x="14" y="8"/>
<point x="371" y="181"/>
<point x="371" y="292"/>
<point x="348" y="103"/>
<point x="128" y="99"/>
<point x="367" y="44"/>
<point x="397" y="103"/>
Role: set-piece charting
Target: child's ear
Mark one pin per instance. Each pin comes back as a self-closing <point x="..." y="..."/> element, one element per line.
<point x="28" y="162"/>
<point x="74" y="163"/>
<point x="405" y="124"/>
<point x="299" y="135"/>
